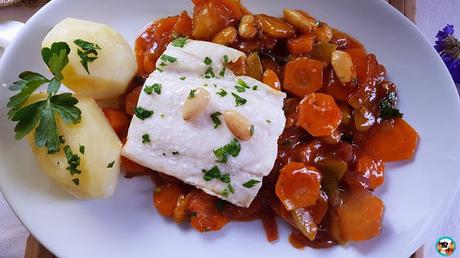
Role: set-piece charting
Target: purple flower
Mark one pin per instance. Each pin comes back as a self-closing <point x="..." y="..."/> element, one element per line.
<point x="448" y="48"/>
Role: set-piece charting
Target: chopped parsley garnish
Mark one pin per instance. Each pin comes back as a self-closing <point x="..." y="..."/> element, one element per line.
<point x="254" y="88"/>
<point x="243" y="84"/>
<point x="251" y="183"/>
<point x="225" y="59"/>
<point x="183" y="78"/>
<point x="82" y="149"/>
<point x="175" y="153"/>
<point x="239" y="100"/>
<point x="191" y="94"/>
<point x="110" y="165"/>
<point x="228" y="190"/>
<point x="231" y="149"/>
<point x="224" y="193"/>
<point x="225" y="178"/>
<point x="179" y="42"/>
<point x="252" y="130"/>
<point x="145" y="138"/>
<point x="156" y="87"/>
<point x="268" y="121"/>
<point x="76" y="181"/>
<point x="207" y="60"/>
<point x="167" y="58"/>
<point x="387" y="109"/>
<point x="73" y="160"/>
<point x="215" y="119"/>
<point x="209" y="73"/>
<point x="231" y="189"/>
<point x="222" y="93"/>
<point x="222" y="72"/>
<point x="87" y="52"/>
<point x="162" y="115"/>
<point x="213" y="173"/>
<point x="43" y="113"/>
<point x="240" y="89"/>
<point x="142" y="113"/>
<point x="159" y="70"/>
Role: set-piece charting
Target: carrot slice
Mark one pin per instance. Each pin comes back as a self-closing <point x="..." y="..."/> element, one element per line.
<point x="271" y="79"/>
<point x="392" y="140"/>
<point x="152" y="43"/>
<point x="298" y="186"/>
<point x="117" y="119"/>
<point x="165" y="199"/>
<point x="319" y="114"/>
<point x="372" y="169"/>
<point x="300" y="45"/>
<point x="183" y="25"/>
<point x="204" y="214"/>
<point x="360" y="216"/>
<point x="303" y="76"/>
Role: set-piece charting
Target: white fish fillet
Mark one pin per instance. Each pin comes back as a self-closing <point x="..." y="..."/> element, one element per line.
<point x="182" y="148"/>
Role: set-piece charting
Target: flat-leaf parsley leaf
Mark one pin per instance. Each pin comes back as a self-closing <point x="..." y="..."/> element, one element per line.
<point x="43" y="112"/>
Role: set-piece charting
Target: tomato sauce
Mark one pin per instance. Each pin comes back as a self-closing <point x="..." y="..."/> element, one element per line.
<point x="337" y="136"/>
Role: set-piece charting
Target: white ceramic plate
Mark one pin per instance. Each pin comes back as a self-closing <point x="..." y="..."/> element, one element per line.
<point x="416" y="194"/>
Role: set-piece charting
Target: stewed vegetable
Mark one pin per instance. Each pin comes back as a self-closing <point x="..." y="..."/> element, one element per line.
<point x="342" y="124"/>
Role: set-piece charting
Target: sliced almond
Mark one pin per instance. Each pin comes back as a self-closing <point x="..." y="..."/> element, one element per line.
<point x="343" y="66"/>
<point x="247" y="28"/>
<point x="195" y="104"/>
<point x="226" y="36"/>
<point x="239" y="125"/>
<point x="298" y="20"/>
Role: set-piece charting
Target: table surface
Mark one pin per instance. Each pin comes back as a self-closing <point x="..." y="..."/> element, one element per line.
<point x="431" y="16"/>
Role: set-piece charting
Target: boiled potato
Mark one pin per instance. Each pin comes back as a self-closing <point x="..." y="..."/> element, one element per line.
<point x="101" y="148"/>
<point x="115" y="66"/>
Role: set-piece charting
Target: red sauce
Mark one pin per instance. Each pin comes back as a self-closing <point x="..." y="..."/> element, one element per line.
<point x="347" y="155"/>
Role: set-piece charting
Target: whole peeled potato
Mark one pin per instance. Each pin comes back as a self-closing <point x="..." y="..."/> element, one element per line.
<point x="115" y="66"/>
<point x="95" y="143"/>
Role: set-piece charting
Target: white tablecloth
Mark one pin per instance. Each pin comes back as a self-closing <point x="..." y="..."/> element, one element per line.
<point x="431" y="16"/>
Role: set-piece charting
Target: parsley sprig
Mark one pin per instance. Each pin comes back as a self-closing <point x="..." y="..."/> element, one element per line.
<point x="44" y="112"/>
<point x="87" y="52"/>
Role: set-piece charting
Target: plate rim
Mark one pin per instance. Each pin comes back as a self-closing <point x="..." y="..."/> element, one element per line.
<point x="425" y="230"/>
